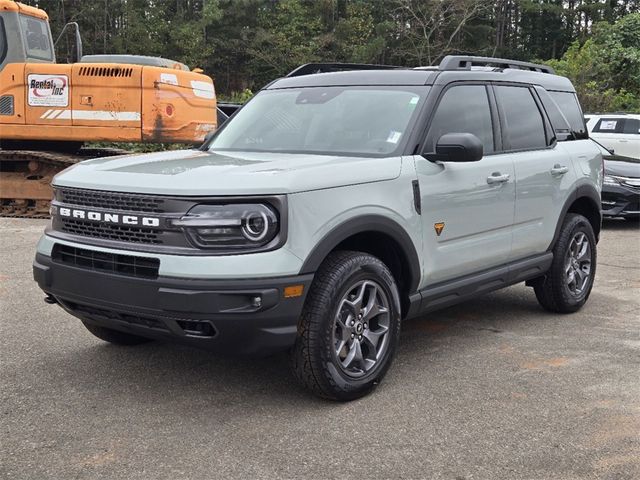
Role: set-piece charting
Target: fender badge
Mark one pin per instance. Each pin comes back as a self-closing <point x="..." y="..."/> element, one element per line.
<point x="438" y="227"/>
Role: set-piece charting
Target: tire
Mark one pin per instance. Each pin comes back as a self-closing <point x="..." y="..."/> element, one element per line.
<point x="325" y="358"/>
<point x="114" y="336"/>
<point x="563" y="288"/>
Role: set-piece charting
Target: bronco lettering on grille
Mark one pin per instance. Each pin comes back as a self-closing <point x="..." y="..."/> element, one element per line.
<point x="109" y="217"/>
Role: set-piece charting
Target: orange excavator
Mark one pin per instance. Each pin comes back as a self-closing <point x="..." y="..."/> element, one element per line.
<point x="49" y="110"/>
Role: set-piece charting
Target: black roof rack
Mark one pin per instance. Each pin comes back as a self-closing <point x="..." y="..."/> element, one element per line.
<point x="464" y="62"/>
<point x="311" y="68"/>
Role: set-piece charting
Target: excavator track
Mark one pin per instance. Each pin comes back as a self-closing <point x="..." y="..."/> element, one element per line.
<point x="26" y="175"/>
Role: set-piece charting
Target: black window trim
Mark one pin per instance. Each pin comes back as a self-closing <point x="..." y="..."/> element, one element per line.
<point x="550" y="138"/>
<point x="495" y="125"/>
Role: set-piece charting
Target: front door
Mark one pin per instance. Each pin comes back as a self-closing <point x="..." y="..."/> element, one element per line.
<point x="467" y="208"/>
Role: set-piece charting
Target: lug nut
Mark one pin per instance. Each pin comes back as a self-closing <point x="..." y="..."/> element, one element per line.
<point x="353" y="335"/>
<point x="359" y="337"/>
<point x="365" y="325"/>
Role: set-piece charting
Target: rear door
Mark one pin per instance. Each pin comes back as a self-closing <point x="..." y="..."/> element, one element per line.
<point x="467" y="208"/>
<point x="544" y="172"/>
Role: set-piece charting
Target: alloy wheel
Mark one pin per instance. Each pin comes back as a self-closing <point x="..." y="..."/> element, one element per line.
<point x="361" y="328"/>
<point x="578" y="264"/>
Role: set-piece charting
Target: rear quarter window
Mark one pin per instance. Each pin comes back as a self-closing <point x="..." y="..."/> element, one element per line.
<point x="570" y="108"/>
<point x="631" y="125"/>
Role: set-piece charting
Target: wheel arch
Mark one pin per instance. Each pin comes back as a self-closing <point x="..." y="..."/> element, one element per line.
<point x="379" y="236"/>
<point x="585" y="201"/>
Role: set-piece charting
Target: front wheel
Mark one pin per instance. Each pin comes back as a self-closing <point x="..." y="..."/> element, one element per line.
<point x="349" y="328"/>
<point x="565" y="288"/>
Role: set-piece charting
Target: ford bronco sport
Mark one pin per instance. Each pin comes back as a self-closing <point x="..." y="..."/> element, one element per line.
<point x="339" y="201"/>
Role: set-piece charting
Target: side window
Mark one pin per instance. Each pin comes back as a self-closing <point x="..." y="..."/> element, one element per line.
<point x="631" y="125"/>
<point x="559" y="122"/>
<point x="463" y="109"/>
<point x="36" y="37"/>
<point x="524" y="126"/>
<point x="609" y="125"/>
<point x="570" y="108"/>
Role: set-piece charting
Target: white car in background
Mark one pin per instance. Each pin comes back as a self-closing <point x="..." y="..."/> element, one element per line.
<point x="619" y="132"/>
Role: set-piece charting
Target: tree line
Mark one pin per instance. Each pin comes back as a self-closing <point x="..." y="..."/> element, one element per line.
<point x="244" y="44"/>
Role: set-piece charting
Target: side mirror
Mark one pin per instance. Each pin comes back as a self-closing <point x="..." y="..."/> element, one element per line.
<point x="457" y="147"/>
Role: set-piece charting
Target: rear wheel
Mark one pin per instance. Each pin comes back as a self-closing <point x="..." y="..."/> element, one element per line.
<point x="114" y="336"/>
<point x="565" y="288"/>
<point x="349" y="328"/>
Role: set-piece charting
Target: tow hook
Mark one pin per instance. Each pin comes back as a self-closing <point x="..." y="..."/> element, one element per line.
<point x="50" y="299"/>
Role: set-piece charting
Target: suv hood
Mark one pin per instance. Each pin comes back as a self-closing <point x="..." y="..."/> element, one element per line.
<point x="622" y="166"/>
<point x="194" y="172"/>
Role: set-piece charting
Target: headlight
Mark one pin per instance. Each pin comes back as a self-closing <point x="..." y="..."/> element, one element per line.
<point x="235" y="226"/>
<point x="609" y="180"/>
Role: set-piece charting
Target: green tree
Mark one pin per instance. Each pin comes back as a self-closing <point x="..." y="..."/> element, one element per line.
<point x="606" y="67"/>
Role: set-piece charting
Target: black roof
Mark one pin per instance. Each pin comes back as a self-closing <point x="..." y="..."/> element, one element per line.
<point x="451" y="69"/>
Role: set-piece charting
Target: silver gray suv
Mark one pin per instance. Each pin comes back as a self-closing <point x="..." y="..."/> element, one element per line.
<point x="340" y="201"/>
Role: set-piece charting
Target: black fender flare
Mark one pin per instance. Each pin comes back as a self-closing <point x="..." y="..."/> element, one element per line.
<point x="587" y="191"/>
<point x="367" y="223"/>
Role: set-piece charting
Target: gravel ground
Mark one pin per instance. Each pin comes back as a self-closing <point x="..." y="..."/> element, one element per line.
<point x="492" y="389"/>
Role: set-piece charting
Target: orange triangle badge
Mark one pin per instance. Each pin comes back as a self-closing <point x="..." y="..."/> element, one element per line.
<point x="438" y="227"/>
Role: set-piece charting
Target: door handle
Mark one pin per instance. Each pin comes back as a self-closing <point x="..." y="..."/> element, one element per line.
<point x="558" y="170"/>
<point x="497" y="177"/>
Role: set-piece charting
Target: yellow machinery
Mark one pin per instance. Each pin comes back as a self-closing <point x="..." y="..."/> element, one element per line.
<point x="48" y="110"/>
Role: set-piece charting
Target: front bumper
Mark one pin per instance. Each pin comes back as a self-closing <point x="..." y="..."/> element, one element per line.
<point x="619" y="201"/>
<point x="219" y="315"/>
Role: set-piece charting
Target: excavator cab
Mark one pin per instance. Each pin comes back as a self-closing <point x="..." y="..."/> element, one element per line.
<point x="25" y="35"/>
<point x="49" y="111"/>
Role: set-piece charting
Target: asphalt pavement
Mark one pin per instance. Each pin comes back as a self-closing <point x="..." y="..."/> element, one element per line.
<point x="492" y="389"/>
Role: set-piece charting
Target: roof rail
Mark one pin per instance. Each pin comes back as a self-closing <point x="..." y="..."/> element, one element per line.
<point x="311" y="68"/>
<point x="464" y="62"/>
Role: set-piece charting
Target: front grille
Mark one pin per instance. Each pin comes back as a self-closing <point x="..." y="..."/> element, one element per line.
<point x="111" y="232"/>
<point x="129" y="265"/>
<point x="110" y="200"/>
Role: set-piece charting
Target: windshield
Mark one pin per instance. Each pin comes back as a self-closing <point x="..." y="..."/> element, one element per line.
<point x="323" y="120"/>
<point x="36" y="38"/>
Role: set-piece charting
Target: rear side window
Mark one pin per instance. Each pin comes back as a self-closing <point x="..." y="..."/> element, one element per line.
<point x="631" y="125"/>
<point x="524" y="125"/>
<point x="558" y="120"/>
<point x="463" y="109"/>
<point x="618" y="125"/>
<point x="570" y="108"/>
